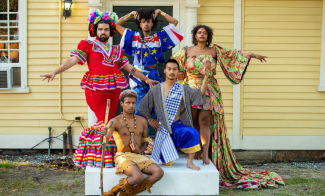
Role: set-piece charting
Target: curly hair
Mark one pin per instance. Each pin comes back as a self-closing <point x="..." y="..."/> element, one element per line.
<point x="128" y="93"/>
<point x="209" y="31"/>
<point x="146" y="13"/>
<point x="93" y="28"/>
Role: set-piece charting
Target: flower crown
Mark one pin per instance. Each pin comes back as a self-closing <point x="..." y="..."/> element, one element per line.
<point x="95" y="17"/>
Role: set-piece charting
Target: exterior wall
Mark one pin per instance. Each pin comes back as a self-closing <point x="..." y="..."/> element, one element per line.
<point x="219" y="15"/>
<point x="25" y="118"/>
<point x="280" y="98"/>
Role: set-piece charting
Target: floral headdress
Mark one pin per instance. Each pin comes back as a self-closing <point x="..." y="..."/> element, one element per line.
<point x="95" y="17"/>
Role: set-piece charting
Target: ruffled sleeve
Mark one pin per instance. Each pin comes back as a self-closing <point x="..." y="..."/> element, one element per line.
<point x="82" y="52"/>
<point x="233" y="63"/>
<point x="170" y="36"/>
<point x="127" y="40"/>
<point x="122" y="61"/>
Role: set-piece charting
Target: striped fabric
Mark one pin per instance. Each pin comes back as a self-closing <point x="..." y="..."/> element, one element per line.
<point x="107" y="80"/>
<point x="81" y="56"/>
<point x="89" y="150"/>
<point x="164" y="146"/>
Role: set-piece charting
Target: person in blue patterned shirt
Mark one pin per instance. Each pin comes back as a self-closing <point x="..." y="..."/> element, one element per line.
<point x="146" y="48"/>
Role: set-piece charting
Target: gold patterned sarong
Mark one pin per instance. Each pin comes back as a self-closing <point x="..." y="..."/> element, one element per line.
<point x="124" y="159"/>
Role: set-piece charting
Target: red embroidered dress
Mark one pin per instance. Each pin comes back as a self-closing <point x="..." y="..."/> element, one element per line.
<point x="104" y="64"/>
<point x="103" y="81"/>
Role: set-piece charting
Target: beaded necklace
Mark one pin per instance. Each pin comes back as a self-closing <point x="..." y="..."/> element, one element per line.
<point x="127" y="125"/>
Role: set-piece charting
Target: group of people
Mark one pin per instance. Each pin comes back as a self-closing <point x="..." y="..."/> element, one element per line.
<point x="186" y="110"/>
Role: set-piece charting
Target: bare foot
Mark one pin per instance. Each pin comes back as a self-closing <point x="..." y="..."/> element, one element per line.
<point x="206" y="160"/>
<point x="198" y="156"/>
<point x="192" y="166"/>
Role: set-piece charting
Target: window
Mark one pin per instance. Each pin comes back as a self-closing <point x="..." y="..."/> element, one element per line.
<point x="13" y="46"/>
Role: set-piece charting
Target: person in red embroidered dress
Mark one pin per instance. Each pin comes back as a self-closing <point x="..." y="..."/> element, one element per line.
<point x="103" y="81"/>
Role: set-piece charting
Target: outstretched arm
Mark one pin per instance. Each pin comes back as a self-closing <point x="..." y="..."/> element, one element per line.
<point x="132" y="70"/>
<point x="122" y="20"/>
<point x="259" y="57"/>
<point x="166" y="16"/>
<point x="109" y="130"/>
<point x="65" y="66"/>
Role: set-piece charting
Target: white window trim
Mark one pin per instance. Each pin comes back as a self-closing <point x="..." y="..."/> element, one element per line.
<point x="321" y="87"/>
<point x="22" y="51"/>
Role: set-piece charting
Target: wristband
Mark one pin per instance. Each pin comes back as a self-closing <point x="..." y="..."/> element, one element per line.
<point x="162" y="13"/>
<point x="128" y="17"/>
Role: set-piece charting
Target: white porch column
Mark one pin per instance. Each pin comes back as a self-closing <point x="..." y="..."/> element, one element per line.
<point x="191" y="19"/>
<point x="93" y="6"/>
<point x="236" y="141"/>
<point x="321" y="86"/>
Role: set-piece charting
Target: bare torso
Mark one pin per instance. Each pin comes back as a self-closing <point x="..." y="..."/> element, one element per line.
<point x="122" y="134"/>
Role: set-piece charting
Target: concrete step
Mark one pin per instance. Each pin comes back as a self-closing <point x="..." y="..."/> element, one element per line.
<point x="177" y="180"/>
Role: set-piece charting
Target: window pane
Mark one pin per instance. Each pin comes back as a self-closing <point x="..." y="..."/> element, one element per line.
<point x="3" y="45"/>
<point x="14" y="46"/>
<point x="3" y="19"/>
<point x="3" y="34"/>
<point x="13" y="5"/>
<point x="13" y="19"/>
<point x="16" y="76"/>
<point x="14" y="56"/>
<point x="13" y="33"/>
<point x="3" y="56"/>
<point x="3" y="6"/>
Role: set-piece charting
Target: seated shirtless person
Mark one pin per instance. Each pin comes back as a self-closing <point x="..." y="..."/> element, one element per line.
<point x="131" y="137"/>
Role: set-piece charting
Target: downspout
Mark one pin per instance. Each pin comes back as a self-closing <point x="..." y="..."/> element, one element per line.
<point x="60" y="82"/>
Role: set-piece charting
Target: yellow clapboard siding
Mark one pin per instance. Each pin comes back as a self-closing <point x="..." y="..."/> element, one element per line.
<point x="41" y="110"/>
<point x="284" y="25"/>
<point x="209" y="3"/>
<point x="284" y="116"/>
<point x="280" y="81"/>
<point x="279" y="74"/>
<point x="282" y="32"/>
<point x="18" y="123"/>
<point x="283" y="18"/>
<point x="224" y="25"/>
<point x="283" y="47"/>
<point x="272" y="102"/>
<point x="282" y="109"/>
<point x="41" y="47"/>
<point x="42" y="26"/>
<point x="41" y="130"/>
<point x="37" y="19"/>
<point x="283" y="10"/>
<point x="285" y="95"/>
<point x="284" y="68"/>
<point x="280" y="89"/>
<point x="52" y="34"/>
<point x="74" y="27"/>
<point x="276" y="123"/>
<point x="283" y="3"/>
<point x="46" y="96"/>
<point x="40" y="116"/>
<point x="215" y="10"/>
<point x="216" y="18"/>
<point x="282" y="40"/>
<point x="282" y="131"/>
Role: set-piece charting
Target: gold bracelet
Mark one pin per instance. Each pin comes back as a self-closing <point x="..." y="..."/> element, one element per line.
<point x="162" y="13"/>
<point x="128" y="17"/>
<point x="146" y="81"/>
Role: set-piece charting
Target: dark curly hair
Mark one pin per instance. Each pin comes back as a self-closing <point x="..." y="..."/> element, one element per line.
<point x="209" y="31"/>
<point x="146" y="13"/>
<point x="93" y="28"/>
